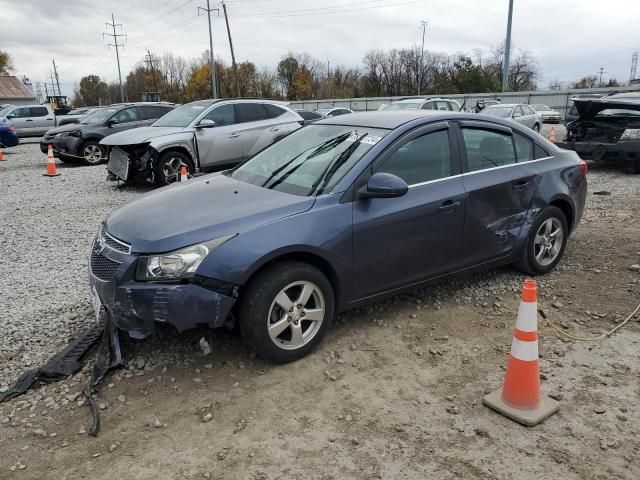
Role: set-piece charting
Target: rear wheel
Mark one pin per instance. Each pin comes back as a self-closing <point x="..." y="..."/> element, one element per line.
<point x="286" y="310"/>
<point x="168" y="167"/>
<point x="545" y="243"/>
<point x="92" y="153"/>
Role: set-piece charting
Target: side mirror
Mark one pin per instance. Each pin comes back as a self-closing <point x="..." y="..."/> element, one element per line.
<point x="112" y="122"/>
<point x="206" y="123"/>
<point x="383" y="185"/>
<point x="11" y="115"/>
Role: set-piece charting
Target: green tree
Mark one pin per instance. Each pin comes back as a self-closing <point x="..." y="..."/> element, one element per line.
<point x="286" y="69"/>
<point x="6" y="63"/>
<point x="93" y="91"/>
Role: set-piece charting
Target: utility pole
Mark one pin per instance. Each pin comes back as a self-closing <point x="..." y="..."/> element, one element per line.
<point x="634" y="66"/>
<point x="53" y="85"/>
<point x="115" y="43"/>
<point x="214" y="93"/>
<point x="424" y="24"/>
<point x="601" y="72"/>
<point x="507" y="50"/>
<point x="55" y="70"/>
<point x="153" y="70"/>
<point x="233" y="56"/>
<point x="328" y="68"/>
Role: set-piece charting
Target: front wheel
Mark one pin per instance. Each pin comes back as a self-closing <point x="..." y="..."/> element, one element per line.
<point x="169" y="165"/>
<point x="545" y="243"/>
<point x="286" y="310"/>
<point x="92" y="153"/>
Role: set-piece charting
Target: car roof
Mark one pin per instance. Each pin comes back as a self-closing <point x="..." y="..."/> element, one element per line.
<point x="379" y="119"/>
<point x="500" y="105"/>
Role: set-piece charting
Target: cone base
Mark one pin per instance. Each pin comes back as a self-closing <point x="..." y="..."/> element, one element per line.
<point x="529" y="418"/>
<point x="51" y="174"/>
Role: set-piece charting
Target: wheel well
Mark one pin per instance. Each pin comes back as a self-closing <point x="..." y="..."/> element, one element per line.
<point x="566" y="209"/>
<point x="311" y="259"/>
<point x="180" y="150"/>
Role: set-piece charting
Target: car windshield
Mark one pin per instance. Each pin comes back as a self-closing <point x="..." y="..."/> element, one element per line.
<point x="182" y="116"/>
<point x="99" y="116"/>
<point x="403" y="106"/>
<point x="541" y="107"/>
<point x="311" y="160"/>
<point x="618" y="112"/>
<point x="78" y="111"/>
<point x="502" y="112"/>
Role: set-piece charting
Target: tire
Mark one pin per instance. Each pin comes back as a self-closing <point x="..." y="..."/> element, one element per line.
<point x="265" y="303"/>
<point x="533" y="260"/>
<point x="632" y="167"/>
<point x="168" y="166"/>
<point x="92" y="153"/>
<point x="536" y="128"/>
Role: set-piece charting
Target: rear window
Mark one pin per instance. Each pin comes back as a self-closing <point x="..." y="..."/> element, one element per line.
<point x="524" y="147"/>
<point x="250" y="112"/>
<point x="274" y="111"/>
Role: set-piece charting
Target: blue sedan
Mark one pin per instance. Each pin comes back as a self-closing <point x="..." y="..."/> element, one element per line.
<point x="340" y="213"/>
<point x="8" y="136"/>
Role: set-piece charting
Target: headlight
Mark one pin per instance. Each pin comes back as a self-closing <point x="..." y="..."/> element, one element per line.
<point x="176" y="265"/>
<point x="631" y="134"/>
<point x="74" y="133"/>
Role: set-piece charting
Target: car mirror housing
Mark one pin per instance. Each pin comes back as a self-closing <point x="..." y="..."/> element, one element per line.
<point x="206" y="123"/>
<point x="112" y="122"/>
<point x="383" y="185"/>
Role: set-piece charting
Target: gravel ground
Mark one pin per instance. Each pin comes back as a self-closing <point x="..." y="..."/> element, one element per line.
<point x="392" y="393"/>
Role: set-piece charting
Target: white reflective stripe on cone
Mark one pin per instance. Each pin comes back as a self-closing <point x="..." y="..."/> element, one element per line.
<point x="526" y="351"/>
<point x="527" y="317"/>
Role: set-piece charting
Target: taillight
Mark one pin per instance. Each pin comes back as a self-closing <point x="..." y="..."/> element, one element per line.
<point x="583" y="167"/>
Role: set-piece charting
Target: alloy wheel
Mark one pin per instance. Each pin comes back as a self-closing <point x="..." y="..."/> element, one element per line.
<point x="92" y="153"/>
<point x="548" y="241"/>
<point x="171" y="169"/>
<point x="296" y="315"/>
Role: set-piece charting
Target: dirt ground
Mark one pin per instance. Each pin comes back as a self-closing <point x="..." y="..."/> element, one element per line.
<point x="394" y="392"/>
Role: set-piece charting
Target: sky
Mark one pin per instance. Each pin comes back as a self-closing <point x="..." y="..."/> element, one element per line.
<point x="569" y="38"/>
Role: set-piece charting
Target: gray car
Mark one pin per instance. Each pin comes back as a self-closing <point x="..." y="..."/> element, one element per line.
<point x="202" y="135"/>
<point x="441" y="104"/>
<point x="518" y="112"/>
<point x="29" y="120"/>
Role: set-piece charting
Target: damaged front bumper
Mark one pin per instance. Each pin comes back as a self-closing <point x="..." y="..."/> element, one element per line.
<point x="136" y="306"/>
<point x="620" y="151"/>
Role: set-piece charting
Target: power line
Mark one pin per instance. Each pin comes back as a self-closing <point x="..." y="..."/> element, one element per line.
<point x="313" y="12"/>
<point x="115" y="44"/>
<point x="214" y="93"/>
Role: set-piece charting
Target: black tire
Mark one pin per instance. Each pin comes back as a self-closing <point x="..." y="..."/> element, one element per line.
<point x="536" y="128"/>
<point x="92" y="153"/>
<point x="259" y="308"/>
<point x="528" y="262"/>
<point x="168" y="166"/>
<point x="632" y="167"/>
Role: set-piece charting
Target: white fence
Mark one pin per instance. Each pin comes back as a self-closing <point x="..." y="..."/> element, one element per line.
<point x="559" y="100"/>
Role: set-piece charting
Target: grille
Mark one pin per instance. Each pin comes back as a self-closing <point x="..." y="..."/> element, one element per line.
<point x="102" y="267"/>
<point x="113" y="243"/>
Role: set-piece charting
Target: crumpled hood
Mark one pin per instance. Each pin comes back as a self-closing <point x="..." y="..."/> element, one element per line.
<point x="202" y="209"/>
<point x="590" y="107"/>
<point x="135" y="136"/>
<point x="69" y="127"/>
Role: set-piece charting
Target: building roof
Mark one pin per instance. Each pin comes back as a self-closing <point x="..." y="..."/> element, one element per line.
<point x="12" y="87"/>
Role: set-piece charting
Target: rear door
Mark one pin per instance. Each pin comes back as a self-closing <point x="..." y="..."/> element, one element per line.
<point x="253" y="120"/>
<point x="402" y="241"/>
<point x="222" y="144"/>
<point x="498" y="189"/>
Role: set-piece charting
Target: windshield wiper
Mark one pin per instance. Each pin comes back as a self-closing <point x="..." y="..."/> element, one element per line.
<point x="331" y="143"/>
<point x="336" y="164"/>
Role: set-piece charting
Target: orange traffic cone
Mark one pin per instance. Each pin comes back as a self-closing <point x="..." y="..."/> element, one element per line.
<point x="183" y="174"/>
<point x="51" y="164"/>
<point x="552" y="135"/>
<point x="520" y="398"/>
<point x="1" y="156"/>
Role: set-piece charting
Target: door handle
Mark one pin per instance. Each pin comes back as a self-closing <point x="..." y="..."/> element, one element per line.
<point x="519" y="184"/>
<point x="448" y="206"/>
<point x="234" y="135"/>
<point x="274" y="129"/>
<point x="28" y="120"/>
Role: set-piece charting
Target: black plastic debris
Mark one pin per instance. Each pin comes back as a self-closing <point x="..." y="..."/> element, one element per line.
<point x="109" y="356"/>
<point x="63" y="364"/>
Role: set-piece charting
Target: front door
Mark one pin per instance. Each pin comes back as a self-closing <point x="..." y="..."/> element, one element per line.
<point x="402" y="241"/>
<point x="222" y="144"/>
<point x="21" y="120"/>
<point x="499" y="191"/>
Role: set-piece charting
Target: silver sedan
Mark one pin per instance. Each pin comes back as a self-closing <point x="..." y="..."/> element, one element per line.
<point x="517" y="112"/>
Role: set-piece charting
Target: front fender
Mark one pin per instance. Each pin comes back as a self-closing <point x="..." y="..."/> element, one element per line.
<point x="184" y="140"/>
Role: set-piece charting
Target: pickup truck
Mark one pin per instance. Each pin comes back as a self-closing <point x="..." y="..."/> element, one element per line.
<point x="33" y="120"/>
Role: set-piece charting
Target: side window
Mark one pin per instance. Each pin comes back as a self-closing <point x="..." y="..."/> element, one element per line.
<point x="38" y="112"/>
<point x="127" y="115"/>
<point x="487" y="149"/>
<point x="517" y="111"/>
<point x="250" y="112"/>
<point x="222" y="115"/>
<point x="273" y="111"/>
<point x="148" y="113"/>
<point x="527" y="110"/>
<point x="22" y="112"/>
<point x="524" y="147"/>
<point x="429" y="106"/>
<point x="540" y="152"/>
<point x="422" y="159"/>
<point x="443" y="106"/>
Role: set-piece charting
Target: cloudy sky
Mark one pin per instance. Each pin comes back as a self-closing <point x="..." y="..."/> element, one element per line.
<point x="569" y="38"/>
